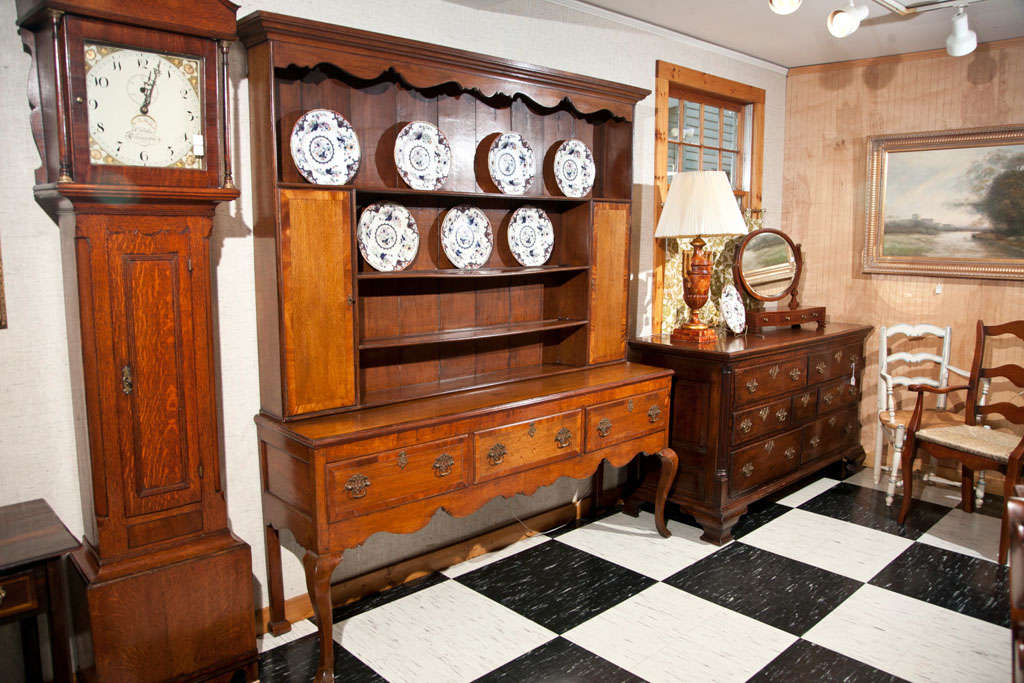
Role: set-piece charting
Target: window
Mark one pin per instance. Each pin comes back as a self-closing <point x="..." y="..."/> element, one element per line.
<point x="705" y="134"/>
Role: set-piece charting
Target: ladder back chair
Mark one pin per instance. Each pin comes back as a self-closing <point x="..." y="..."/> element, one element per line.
<point x="974" y="445"/>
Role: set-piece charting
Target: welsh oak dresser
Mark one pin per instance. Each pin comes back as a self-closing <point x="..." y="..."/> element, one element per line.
<point x="389" y="395"/>
<point x="752" y="414"/>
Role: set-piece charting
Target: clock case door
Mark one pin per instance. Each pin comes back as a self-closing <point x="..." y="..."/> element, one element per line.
<point x="80" y="31"/>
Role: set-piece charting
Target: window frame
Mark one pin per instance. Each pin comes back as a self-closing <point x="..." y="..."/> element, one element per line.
<point x="670" y="79"/>
<point x="702" y="100"/>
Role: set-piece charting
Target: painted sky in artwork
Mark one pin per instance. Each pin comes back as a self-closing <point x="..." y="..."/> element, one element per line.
<point x="933" y="184"/>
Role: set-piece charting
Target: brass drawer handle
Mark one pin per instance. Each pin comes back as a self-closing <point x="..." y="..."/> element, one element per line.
<point x="443" y="465"/>
<point x="805" y="399"/>
<point x="773" y="371"/>
<point x="403" y="460"/>
<point x="763" y="413"/>
<point x="815" y="441"/>
<point x="563" y="437"/>
<point x="653" y="414"/>
<point x="781" y="414"/>
<point x="604" y="426"/>
<point x="794" y="374"/>
<point x="748" y="469"/>
<point x="752" y="386"/>
<point x="820" y="367"/>
<point x="496" y="455"/>
<point x="746" y="425"/>
<point x="838" y="356"/>
<point x="832" y="421"/>
<point x="827" y="398"/>
<point x="790" y="453"/>
<point x="532" y="431"/>
<point x="357" y="485"/>
<point x="770" y="446"/>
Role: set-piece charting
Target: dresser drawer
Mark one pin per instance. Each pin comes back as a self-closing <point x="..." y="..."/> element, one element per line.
<point x="754" y="422"/>
<point x="805" y="405"/>
<point x="829" y="433"/>
<point x="836" y="394"/>
<point x="764" y="461"/>
<point x="618" y="421"/>
<point x="382" y="480"/>
<point x="828" y="365"/>
<point x="520" y="446"/>
<point x="19" y="594"/>
<point x="762" y="381"/>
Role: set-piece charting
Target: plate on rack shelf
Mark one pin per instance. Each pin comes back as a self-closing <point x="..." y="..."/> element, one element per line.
<point x="387" y="236"/>
<point x="733" y="310"/>
<point x="510" y="162"/>
<point x="531" y="236"/>
<point x="423" y="156"/>
<point x="325" y="148"/>
<point x="574" y="168"/>
<point x="466" y="237"/>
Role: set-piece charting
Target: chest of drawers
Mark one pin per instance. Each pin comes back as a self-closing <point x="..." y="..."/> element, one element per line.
<point x="752" y="414"/>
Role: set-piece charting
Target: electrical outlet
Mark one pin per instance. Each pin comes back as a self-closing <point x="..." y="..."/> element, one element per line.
<point x="938" y="288"/>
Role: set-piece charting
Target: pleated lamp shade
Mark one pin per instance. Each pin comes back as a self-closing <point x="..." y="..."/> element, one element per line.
<point x="700" y="203"/>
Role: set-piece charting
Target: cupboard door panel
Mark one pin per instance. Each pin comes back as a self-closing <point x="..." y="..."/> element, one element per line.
<point x="609" y="282"/>
<point x="316" y="300"/>
<point x="157" y="403"/>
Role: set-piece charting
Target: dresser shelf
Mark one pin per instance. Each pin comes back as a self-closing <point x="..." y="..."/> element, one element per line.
<point x="460" y="273"/>
<point x="471" y="333"/>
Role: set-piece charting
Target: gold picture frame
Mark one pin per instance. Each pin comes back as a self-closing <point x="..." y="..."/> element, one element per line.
<point x="3" y="305"/>
<point x="937" y="203"/>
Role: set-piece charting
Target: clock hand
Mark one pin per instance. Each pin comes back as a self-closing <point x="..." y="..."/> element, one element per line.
<point x="147" y="88"/>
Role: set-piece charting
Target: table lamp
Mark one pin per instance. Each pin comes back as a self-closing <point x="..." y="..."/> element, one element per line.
<point x="699" y="203"/>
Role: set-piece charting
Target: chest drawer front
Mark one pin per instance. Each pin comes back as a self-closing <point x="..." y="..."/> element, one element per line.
<point x="762" y="381"/>
<point x="805" y="405"/>
<point x="826" y="365"/>
<point x="18" y="594"/>
<point x="829" y="433"/>
<point x="836" y="394"/>
<point x="356" y="487"/>
<point x="764" y="461"/>
<point x="511" y="448"/>
<point x="754" y="422"/>
<point x="618" y="421"/>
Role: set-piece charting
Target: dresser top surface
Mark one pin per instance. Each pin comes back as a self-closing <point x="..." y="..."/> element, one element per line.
<point x="729" y="348"/>
<point x="322" y="431"/>
<point x="31" y="531"/>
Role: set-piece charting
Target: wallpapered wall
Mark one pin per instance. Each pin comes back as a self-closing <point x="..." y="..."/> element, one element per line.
<point x="42" y="426"/>
<point x="830" y="112"/>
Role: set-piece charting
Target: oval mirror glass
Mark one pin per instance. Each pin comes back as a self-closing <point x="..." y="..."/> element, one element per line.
<point x="768" y="265"/>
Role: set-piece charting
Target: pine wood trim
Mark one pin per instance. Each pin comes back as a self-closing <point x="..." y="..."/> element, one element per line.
<point x="298" y="607"/>
<point x="672" y="77"/>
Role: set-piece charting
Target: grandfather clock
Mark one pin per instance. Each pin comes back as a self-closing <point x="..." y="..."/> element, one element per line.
<point x="129" y="114"/>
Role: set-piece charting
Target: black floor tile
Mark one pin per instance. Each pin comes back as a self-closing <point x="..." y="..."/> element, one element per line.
<point x="559" y="661"/>
<point x="805" y="661"/>
<point x="759" y="514"/>
<point x="867" y="507"/>
<point x="556" y="586"/>
<point x="298" y="660"/>
<point x="577" y="523"/>
<point x="384" y="597"/>
<point x="781" y="592"/>
<point x="971" y="586"/>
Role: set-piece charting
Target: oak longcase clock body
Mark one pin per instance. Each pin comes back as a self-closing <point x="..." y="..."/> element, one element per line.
<point x="129" y="114"/>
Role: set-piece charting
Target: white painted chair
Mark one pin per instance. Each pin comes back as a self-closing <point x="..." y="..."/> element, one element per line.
<point x="892" y="422"/>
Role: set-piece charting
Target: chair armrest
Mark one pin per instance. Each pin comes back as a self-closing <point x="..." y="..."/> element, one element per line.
<point x="935" y="390"/>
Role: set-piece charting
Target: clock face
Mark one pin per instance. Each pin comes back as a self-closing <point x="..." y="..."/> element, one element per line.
<point x="144" y="108"/>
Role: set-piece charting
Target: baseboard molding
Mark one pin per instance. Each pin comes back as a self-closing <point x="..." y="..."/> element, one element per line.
<point x="350" y="590"/>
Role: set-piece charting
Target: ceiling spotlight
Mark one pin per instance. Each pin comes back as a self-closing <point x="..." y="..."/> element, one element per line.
<point x="962" y="40"/>
<point x="842" y="22"/>
<point x="784" y="6"/>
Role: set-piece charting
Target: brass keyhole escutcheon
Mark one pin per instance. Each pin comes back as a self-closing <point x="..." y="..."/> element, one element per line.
<point x="604" y="426"/>
<point x="781" y="415"/>
<point x="746" y="425"/>
<point x="827" y="398"/>
<point x="127" y="381"/>
<point x="790" y="453"/>
<point x="496" y="454"/>
<point x="563" y="437"/>
<point x="748" y="469"/>
<point x="752" y="386"/>
<point x="794" y="374"/>
<point x="629" y="405"/>
<point x="356" y="485"/>
<point x="815" y="441"/>
<point x="532" y="431"/>
<point x="443" y="465"/>
<point x="653" y="414"/>
<point x="820" y="367"/>
<point x="403" y="460"/>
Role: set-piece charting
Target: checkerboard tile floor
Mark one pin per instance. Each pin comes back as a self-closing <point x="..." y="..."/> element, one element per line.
<point x="821" y="584"/>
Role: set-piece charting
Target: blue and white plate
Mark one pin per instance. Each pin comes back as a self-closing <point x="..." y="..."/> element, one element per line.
<point x="325" y="148"/>
<point x="531" y="236"/>
<point x="466" y="237"/>
<point x="733" y="310"/>
<point x="387" y="236"/>
<point x="574" y="168"/>
<point x="423" y="156"/>
<point x="511" y="164"/>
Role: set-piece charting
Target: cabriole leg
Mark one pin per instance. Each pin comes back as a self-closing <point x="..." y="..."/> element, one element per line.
<point x="667" y="476"/>
<point x="318" y="581"/>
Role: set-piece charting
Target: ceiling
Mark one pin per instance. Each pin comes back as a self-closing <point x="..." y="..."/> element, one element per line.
<point x="800" y="38"/>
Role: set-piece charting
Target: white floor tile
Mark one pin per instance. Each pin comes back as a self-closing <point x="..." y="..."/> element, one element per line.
<point x="634" y="543"/>
<point x="300" y="629"/>
<point x="972" y="534"/>
<point x="806" y="493"/>
<point x="842" y="547"/>
<point x="913" y="639"/>
<point x="665" y="634"/>
<point x="487" y="558"/>
<point x="940" y="494"/>
<point x="443" y="633"/>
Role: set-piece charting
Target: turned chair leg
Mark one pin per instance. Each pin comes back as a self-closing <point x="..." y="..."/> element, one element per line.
<point x="967" y="489"/>
<point x="979" y="490"/>
<point x="894" y="464"/>
<point x="907" y="462"/>
<point x="879" y="454"/>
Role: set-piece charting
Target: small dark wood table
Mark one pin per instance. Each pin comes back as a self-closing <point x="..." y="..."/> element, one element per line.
<point x="754" y="413"/>
<point x="33" y="544"/>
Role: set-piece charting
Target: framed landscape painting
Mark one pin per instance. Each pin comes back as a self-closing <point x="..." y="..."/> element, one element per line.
<point x="947" y="203"/>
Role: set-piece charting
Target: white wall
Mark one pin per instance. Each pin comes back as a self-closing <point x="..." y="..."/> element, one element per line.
<point x="40" y="384"/>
